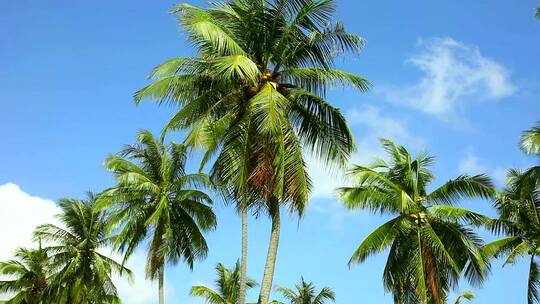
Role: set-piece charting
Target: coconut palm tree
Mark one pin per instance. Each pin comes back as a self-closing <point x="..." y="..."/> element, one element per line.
<point x="28" y="276"/>
<point x="518" y="207"/>
<point x="538" y="12"/>
<point x="306" y="293"/>
<point x="156" y="199"/>
<point x="227" y="283"/>
<point x="429" y="243"/>
<point x="254" y="98"/>
<point x="82" y="272"/>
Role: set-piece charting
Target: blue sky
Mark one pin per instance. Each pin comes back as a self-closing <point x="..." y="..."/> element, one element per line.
<point x="458" y="78"/>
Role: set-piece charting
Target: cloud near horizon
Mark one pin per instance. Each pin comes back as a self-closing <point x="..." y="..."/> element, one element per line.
<point x="452" y="74"/>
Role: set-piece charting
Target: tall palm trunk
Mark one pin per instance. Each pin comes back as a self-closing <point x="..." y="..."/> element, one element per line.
<point x="243" y="258"/>
<point x="266" y="284"/>
<point x="531" y="290"/>
<point x="160" y="282"/>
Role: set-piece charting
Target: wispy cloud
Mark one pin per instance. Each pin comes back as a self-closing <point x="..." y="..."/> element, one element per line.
<point x="372" y="124"/>
<point x="453" y="74"/>
<point x="473" y="164"/>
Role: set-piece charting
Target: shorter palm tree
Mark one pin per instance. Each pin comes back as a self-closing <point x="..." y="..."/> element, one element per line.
<point x="228" y="286"/>
<point x="155" y="200"/>
<point x="518" y="207"/>
<point x="82" y="273"/>
<point x="429" y="239"/>
<point x="28" y="274"/>
<point x="306" y="293"/>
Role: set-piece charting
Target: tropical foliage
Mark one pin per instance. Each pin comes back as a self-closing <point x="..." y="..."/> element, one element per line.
<point x="518" y="207"/>
<point x="306" y="293"/>
<point x="466" y="295"/>
<point x="227" y="283"/>
<point x="254" y="98"/>
<point x="429" y="242"/>
<point x="82" y="273"/>
<point x="156" y="200"/>
<point x="28" y="276"/>
<point x="530" y="144"/>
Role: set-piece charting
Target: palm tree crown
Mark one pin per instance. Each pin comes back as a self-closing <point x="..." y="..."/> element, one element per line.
<point x="155" y="198"/>
<point x="429" y="244"/>
<point x="254" y="97"/>
<point x="306" y="293"/>
<point x="227" y="283"/>
<point x="257" y="90"/>
<point x="28" y="276"/>
<point x="82" y="273"/>
<point x="518" y="207"/>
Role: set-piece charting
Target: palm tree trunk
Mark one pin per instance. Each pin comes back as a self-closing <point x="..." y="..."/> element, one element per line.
<point x="243" y="258"/>
<point x="266" y="284"/>
<point x="161" y="287"/>
<point x="533" y="277"/>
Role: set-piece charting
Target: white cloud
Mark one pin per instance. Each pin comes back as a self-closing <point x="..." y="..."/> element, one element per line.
<point x="373" y="124"/>
<point x="140" y="291"/>
<point x="454" y="73"/>
<point x="21" y="213"/>
<point x="499" y="175"/>
<point x="472" y="164"/>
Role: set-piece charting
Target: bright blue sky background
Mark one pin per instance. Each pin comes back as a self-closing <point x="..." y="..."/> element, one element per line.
<point x="459" y="78"/>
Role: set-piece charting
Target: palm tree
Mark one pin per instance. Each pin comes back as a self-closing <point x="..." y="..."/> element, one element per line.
<point x="28" y="274"/>
<point x="254" y="98"/>
<point x="227" y="282"/>
<point x="82" y="273"/>
<point x="306" y="293"/>
<point x="428" y="241"/>
<point x="538" y="12"/>
<point x="466" y="295"/>
<point x="518" y="207"/>
<point x="156" y="199"/>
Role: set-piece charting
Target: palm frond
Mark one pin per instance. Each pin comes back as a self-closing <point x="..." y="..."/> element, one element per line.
<point x="530" y="139"/>
<point x="477" y="186"/>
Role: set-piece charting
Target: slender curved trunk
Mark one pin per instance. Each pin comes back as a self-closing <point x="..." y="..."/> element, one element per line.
<point x="533" y="273"/>
<point x="266" y="284"/>
<point x="243" y="258"/>
<point x="161" y="287"/>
